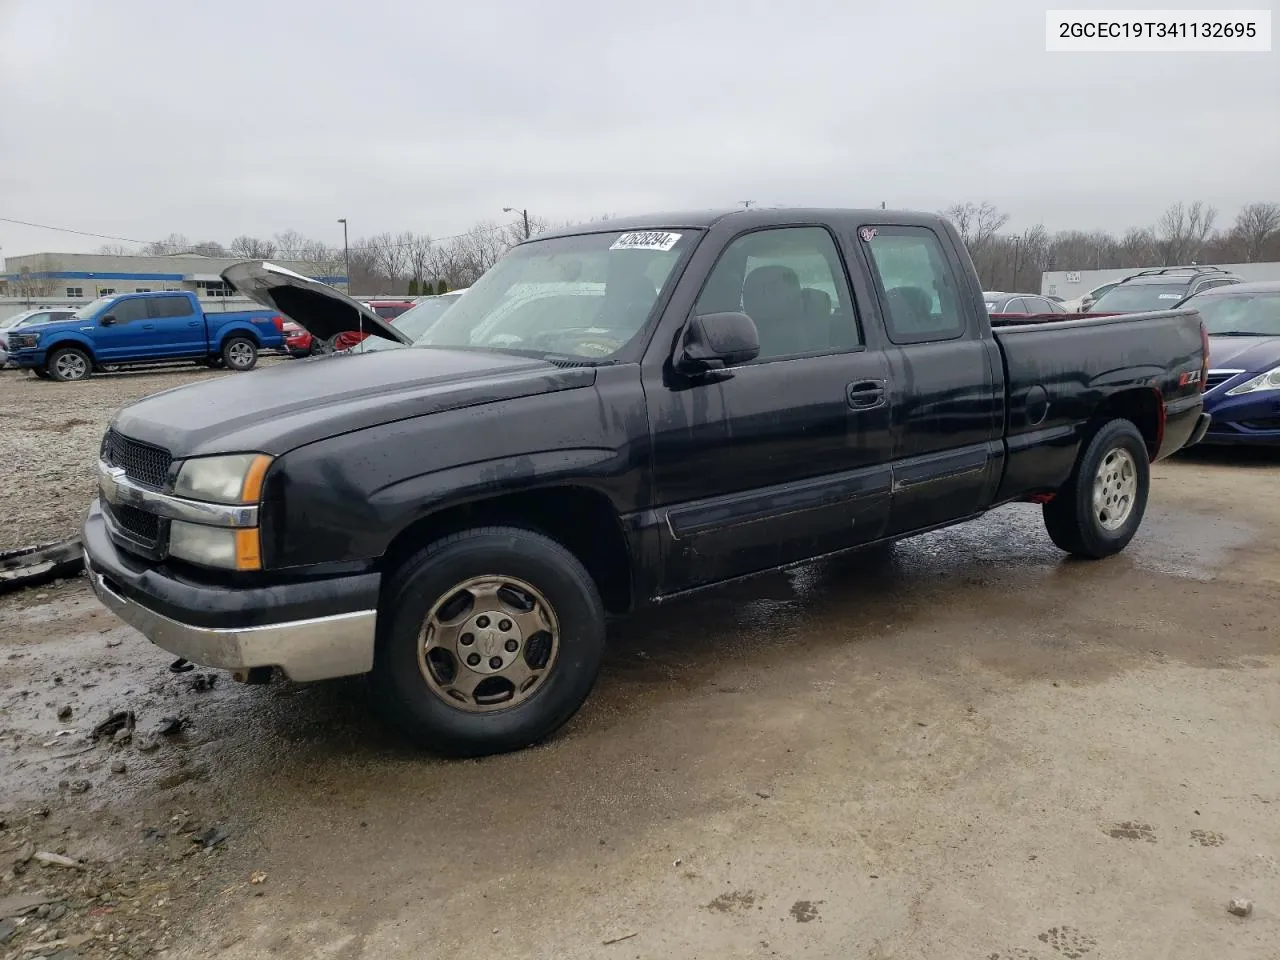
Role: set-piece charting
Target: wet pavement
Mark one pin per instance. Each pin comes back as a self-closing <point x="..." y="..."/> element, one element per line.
<point x="968" y="746"/>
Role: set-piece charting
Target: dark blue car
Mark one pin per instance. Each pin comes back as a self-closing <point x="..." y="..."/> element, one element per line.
<point x="1243" y="390"/>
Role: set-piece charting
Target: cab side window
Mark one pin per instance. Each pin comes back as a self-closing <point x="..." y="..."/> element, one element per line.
<point x="790" y="281"/>
<point x="917" y="287"/>
<point x="128" y="311"/>
<point x="169" y="307"/>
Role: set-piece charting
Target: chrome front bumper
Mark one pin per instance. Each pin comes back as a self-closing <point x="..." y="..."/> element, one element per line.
<point x="306" y="650"/>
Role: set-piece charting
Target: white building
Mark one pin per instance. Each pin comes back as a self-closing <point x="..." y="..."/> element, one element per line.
<point x="86" y="276"/>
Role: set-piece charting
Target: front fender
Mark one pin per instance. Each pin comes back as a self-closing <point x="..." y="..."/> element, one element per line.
<point x="37" y="356"/>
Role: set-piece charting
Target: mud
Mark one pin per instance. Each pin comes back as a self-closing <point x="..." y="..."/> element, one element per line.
<point x="970" y="747"/>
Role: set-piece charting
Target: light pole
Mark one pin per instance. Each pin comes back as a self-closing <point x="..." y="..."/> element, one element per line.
<point x="524" y="213"/>
<point x="346" y="253"/>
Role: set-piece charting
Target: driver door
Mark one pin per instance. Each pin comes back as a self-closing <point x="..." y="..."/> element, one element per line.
<point x="786" y="457"/>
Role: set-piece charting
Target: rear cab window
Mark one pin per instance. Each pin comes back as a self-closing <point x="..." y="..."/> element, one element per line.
<point x="918" y="290"/>
<point x="161" y="307"/>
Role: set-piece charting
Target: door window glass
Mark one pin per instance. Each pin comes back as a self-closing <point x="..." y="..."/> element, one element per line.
<point x="790" y="281"/>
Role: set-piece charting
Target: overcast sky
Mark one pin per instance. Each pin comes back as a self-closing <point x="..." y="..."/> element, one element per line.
<point x="143" y="117"/>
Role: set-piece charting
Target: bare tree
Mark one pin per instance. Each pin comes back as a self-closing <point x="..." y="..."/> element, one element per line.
<point x="1138" y="248"/>
<point x="417" y="255"/>
<point x="977" y="223"/>
<point x="117" y="250"/>
<point x="209" y="248"/>
<point x="1183" y="230"/>
<point x="290" y="244"/>
<point x="1254" y="226"/>
<point x="251" y="248"/>
<point x="170" y="245"/>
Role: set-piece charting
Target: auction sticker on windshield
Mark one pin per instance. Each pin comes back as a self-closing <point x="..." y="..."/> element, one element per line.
<point x="646" y="240"/>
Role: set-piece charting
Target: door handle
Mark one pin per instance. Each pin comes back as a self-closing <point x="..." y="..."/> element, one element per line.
<point x="148" y="326"/>
<point x="865" y="394"/>
<point x="193" y="323"/>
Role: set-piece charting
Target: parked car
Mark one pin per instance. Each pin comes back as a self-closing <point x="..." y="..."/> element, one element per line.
<point x="1161" y="289"/>
<point x="413" y="322"/>
<point x="1020" y="303"/>
<point x="28" y="318"/>
<point x="458" y="517"/>
<point x="1084" y="303"/>
<point x="145" y="328"/>
<point x="1242" y="393"/>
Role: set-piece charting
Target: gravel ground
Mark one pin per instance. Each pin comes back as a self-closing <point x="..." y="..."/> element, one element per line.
<point x="49" y="437"/>
<point x="971" y="748"/>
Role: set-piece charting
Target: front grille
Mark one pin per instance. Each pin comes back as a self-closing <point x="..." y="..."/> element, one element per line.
<point x="139" y="524"/>
<point x="142" y="462"/>
<point x="1217" y="378"/>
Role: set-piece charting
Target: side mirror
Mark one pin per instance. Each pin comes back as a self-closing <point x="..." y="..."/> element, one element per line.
<point x="107" y="321"/>
<point x="712" y="341"/>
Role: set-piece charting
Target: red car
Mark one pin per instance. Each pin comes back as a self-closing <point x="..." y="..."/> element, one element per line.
<point x="299" y="343"/>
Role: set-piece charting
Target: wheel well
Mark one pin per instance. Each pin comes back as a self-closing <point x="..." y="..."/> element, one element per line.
<point x="1144" y="407"/>
<point x="63" y="344"/>
<point x="246" y="334"/>
<point x="581" y="520"/>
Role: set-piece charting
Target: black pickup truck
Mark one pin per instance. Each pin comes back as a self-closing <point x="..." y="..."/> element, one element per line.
<point x="611" y="417"/>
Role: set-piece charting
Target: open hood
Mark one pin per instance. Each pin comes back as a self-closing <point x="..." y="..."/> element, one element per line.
<point x="316" y="307"/>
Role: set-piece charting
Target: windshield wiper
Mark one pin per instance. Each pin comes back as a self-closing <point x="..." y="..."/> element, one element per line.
<point x="1242" y="333"/>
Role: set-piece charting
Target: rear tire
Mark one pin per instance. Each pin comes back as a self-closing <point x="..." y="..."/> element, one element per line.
<point x="240" y="354"/>
<point x="432" y="624"/>
<point x="69" y="364"/>
<point x="1099" y="509"/>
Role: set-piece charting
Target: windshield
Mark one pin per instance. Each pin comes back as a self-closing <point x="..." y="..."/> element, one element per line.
<point x="1240" y="314"/>
<point x="578" y="296"/>
<point x="91" y="309"/>
<point x="414" y="322"/>
<point x="1137" y="297"/>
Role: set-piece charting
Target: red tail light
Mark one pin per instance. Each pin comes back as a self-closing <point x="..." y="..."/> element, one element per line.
<point x="279" y="322"/>
<point x="1204" y="367"/>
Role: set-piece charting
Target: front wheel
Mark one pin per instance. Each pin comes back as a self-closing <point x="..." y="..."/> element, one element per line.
<point x="1101" y="506"/>
<point x="489" y="641"/>
<point x="240" y="354"/>
<point x="68" y="364"/>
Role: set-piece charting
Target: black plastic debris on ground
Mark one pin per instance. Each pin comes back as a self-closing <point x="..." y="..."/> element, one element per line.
<point x="202" y="682"/>
<point x="119" y="720"/>
<point x="172" y="726"/>
<point x="211" y="837"/>
<point x="181" y="665"/>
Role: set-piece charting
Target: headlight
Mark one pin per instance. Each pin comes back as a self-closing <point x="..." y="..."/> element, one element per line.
<point x="233" y="479"/>
<point x="23" y="341"/>
<point x="215" y="546"/>
<point x="1263" y="381"/>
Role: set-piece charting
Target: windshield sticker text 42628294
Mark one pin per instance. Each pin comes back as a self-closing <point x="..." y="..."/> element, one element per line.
<point x="659" y="240"/>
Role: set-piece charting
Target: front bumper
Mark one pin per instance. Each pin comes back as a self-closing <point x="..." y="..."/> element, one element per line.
<point x="1244" y="421"/>
<point x="312" y="630"/>
<point x="28" y="358"/>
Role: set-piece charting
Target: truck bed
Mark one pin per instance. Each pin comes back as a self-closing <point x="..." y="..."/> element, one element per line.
<point x="1056" y="372"/>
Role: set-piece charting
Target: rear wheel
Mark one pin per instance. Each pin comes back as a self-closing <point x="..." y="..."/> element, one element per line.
<point x="68" y="364"/>
<point x="240" y="354"/>
<point x="1101" y="506"/>
<point x="490" y="640"/>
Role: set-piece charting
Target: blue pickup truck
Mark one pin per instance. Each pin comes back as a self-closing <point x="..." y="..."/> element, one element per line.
<point x="145" y="328"/>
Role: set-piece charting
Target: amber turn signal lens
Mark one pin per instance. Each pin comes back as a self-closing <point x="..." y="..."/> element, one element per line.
<point x="248" y="550"/>
<point x="251" y="492"/>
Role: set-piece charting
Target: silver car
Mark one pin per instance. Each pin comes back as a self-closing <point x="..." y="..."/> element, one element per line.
<point x="28" y="318"/>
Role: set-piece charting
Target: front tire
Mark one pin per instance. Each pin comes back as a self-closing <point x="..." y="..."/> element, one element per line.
<point x="1099" y="509"/>
<point x="489" y="641"/>
<point x="69" y="364"/>
<point x="240" y="354"/>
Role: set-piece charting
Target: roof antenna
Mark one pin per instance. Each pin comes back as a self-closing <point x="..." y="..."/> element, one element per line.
<point x="746" y="203"/>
